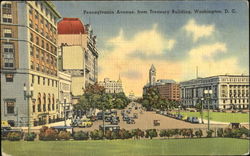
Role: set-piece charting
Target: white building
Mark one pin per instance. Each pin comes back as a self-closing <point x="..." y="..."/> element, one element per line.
<point x="228" y="91"/>
<point x="112" y="86"/>
<point x="65" y="98"/>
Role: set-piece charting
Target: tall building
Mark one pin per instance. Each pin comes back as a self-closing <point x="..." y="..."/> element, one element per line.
<point x="78" y="55"/>
<point x="228" y="91"/>
<point x="29" y="62"/>
<point x="152" y="75"/>
<point x="168" y="89"/>
<point x="112" y="86"/>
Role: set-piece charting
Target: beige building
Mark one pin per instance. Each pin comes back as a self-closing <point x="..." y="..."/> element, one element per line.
<point x="65" y="98"/>
<point x="78" y="54"/>
<point x="112" y="86"/>
<point x="29" y="58"/>
<point x="228" y="91"/>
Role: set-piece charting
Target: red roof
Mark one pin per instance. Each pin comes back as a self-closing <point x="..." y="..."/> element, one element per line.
<point x="70" y="26"/>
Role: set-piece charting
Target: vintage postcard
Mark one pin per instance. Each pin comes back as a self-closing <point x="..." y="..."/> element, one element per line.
<point x="127" y="78"/>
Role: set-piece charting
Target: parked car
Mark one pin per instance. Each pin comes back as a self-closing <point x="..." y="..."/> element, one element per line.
<point x="110" y="127"/>
<point x="130" y="121"/>
<point x="5" y="124"/>
<point x="195" y="120"/>
<point x="156" y="122"/>
<point x="116" y="118"/>
<point x="108" y="118"/>
<point x="135" y="116"/>
<point x="189" y="119"/>
<point x="114" y="122"/>
<point x="85" y="123"/>
<point x="184" y="118"/>
<point x="179" y="117"/>
<point x="64" y="128"/>
<point x="125" y="118"/>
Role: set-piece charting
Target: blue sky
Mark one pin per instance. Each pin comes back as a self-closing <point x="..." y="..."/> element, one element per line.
<point x="175" y="43"/>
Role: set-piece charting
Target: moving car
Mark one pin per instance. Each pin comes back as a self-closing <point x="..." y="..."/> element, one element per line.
<point x="130" y="121"/>
<point x="85" y="123"/>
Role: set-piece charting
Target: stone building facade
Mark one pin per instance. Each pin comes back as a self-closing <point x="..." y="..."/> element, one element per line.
<point x="228" y="91"/>
<point x="29" y="58"/>
<point x="112" y="86"/>
<point x="168" y="89"/>
<point x="78" y="55"/>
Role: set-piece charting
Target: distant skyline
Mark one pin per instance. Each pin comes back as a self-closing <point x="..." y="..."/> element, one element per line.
<point x="174" y="42"/>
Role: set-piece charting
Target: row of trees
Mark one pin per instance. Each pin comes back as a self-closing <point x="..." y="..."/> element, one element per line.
<point x="95" y="97"/>
<point x="153" y="100"/>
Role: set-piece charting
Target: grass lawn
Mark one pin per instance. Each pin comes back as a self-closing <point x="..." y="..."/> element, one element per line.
<point x="205" y="146"/>
<point x="220" y="116"/>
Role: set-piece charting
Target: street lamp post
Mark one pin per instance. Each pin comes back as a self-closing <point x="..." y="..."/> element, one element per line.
<point x="202" y="99"/>
<point x="27" y="95"/>
<point x="64" y="108"/>
<point x="208" y="94"/>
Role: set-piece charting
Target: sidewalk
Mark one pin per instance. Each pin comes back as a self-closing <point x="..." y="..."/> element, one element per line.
<point x="61" y="123"/>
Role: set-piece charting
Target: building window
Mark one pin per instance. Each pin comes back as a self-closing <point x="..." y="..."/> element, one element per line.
<point x="8" y="55"/>
<point x="42" y="68"/>
<point x="44" y="81"/>
<point x="36" y="27"/>
<point x="42" y="55"/>
<point x="48" y="81"/>
<point x="10" y="105"/>
<point x="38" y="79"/>
<point x="37" y="52"/>
<point x="7" y="33"/>
<point x="52" y="83"/>
<point x="37" y="41"/>
<point x="31" y="50"/>
<point x="31" y="24"/>
<point x="31" y="37"/>
<point x="32" y="65"/>
<point x="42" y="44"/>
<point x="33" y="106"/>
<point x="33" y="79"/>
<point x="6" y="10"/>
<point x="41" y="7"/>
<point x="9" y="77"/>
<point x="36" y="14"/>
<point x="37" y="67"/>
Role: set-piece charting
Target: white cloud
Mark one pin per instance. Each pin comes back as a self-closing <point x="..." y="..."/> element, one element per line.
<point x="204" y="56"/>
<point x="147" y="42"/>
<point x="134" y="71"/>
<point x="198" y="31"/>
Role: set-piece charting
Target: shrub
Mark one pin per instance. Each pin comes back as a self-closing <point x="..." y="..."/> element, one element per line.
<point x="137" y="133"/>
<point x="245" y="132"/>
<point x="198" y="133"/>
<point x="48" y="134"/>
<point x="162" y="133"/>
<point x="150" y="133"/>
<point x="168" y="133"/>
<point x="30" y="136"/>
<point x="220" y="132"/>
<point x="228" y="132"/>
<point x="209" y="133"/>
<point x="124" y="134"/>
<point x="114" y="135"/>
<point x="14" y="136"/>
<point x="81" y="135"/>
<point x="96" y="135"/>
<point x="64" y="135"/>
<point x="108" y="134"/>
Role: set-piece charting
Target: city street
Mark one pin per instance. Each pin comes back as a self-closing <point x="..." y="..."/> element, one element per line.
<point x="145" y="121"/>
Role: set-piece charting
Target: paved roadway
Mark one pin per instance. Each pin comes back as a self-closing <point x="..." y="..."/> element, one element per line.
<point x="145" y="121"/>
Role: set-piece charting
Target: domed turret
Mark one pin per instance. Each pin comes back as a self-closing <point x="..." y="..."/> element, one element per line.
<point x="71" y="26"/>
